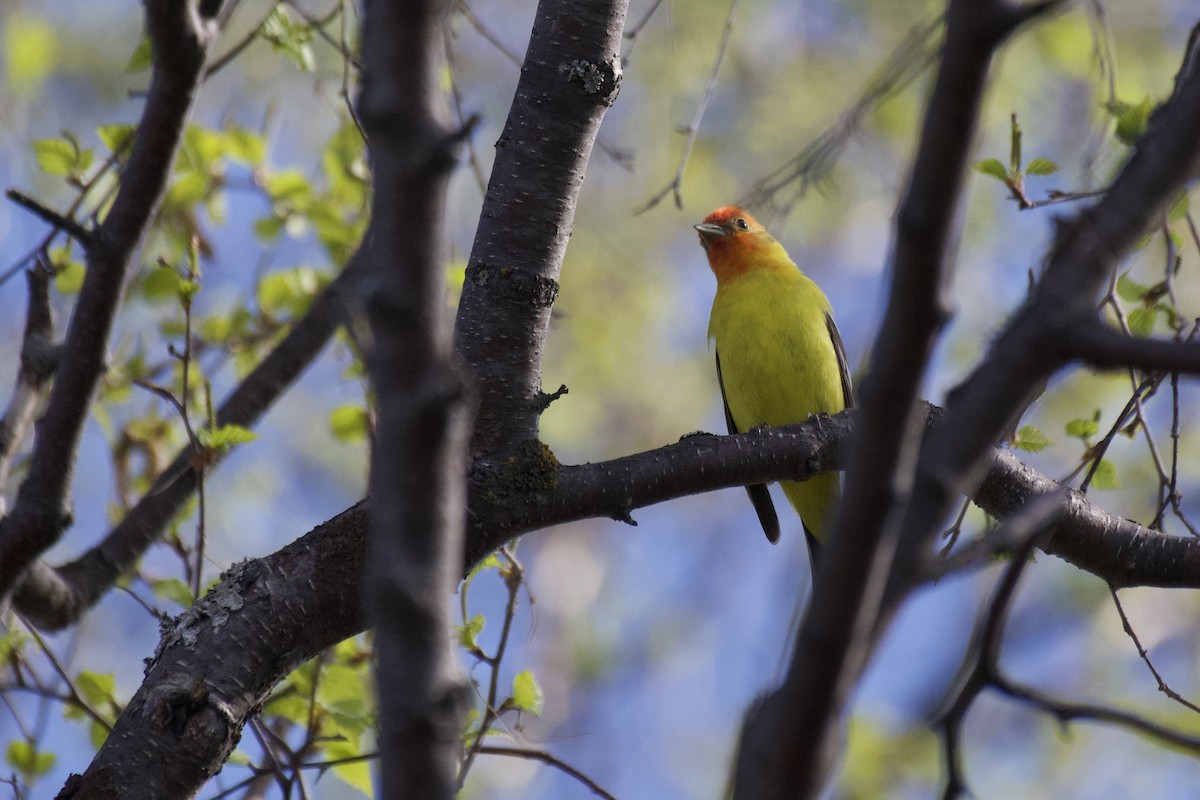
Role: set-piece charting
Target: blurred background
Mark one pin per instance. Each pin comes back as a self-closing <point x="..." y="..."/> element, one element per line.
<point x="649" y="642"/>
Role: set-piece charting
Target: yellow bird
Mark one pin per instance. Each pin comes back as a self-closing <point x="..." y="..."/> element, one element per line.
<point x="780" y="358"/>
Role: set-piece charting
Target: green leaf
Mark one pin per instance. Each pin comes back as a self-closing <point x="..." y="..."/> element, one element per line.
<point x="116" y="137"/>
<point x="12" y="643"/>
<point x="289" y="38"/>
<point x="356" y="773"/>
<point x="141" y="57"/>
<point x="245" y="146"/>
<point x="68" y="278"/>
<point x="24" y="757"/>
<point x="526" y="693"/>
<point x="993" y="167"/>
<point x="1105" y="476"/>
<point x="468" y="633"/>
<point x="1179" y="207"/>
<point x="1141" y="321"/>
<point x="1082" y="428"/>
<point x="1041" y="166"/>
<point x="188" y="189"/>
<point x="1030" y="439"/>
<point x="224" y="437"/>
<point x="31" y="51"/>
<point x="349" y="422"/>
<point x="173" y="589"/>
<point x="161" y="284"/>
<point x="1130" y="290"/>
<point x="97" y="688"/>
<point x="186" y="290"/>
<point x="290" y="290"/>
<point x="1131" y="119"/>
<point x="55" y="156"/>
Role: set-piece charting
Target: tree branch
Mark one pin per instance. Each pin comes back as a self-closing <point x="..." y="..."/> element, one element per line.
<point x="571" y="74"/>
<point x="508" y="500"/>
<point x="418" y="458"/>
<point x="179" y="40"/>
<point x="39" y="357"/>
<point x="1105" y="347"/>
<point x="789" y="741"/>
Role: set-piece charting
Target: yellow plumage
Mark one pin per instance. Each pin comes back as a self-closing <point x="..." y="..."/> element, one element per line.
<point x="779" y="355"/>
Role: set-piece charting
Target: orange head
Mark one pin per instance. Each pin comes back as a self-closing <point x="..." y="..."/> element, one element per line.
<point x="736" y="242"/>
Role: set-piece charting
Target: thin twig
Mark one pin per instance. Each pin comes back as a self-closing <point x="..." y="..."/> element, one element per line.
<point x="675" y="187"/>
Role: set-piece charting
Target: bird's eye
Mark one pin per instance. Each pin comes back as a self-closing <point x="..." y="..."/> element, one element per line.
<point x="742" y="224"/>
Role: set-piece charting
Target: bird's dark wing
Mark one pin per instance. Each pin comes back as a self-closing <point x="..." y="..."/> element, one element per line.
<point x="843" y="367"/>
<point x="759" y="495"/>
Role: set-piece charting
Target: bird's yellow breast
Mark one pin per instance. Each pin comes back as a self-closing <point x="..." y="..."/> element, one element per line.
<point x="778" y="361"/>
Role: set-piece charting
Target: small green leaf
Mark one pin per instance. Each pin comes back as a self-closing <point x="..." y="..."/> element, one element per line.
<point x="1141" y="321"/>
<point x="55" y="156"/>
<point x="1131" y="119"/>
<point x="245" y="146"/>
<point x="1105" y="476"/>
<point x="526" y="693"/>
<point x="186" y="290"/>
<point x="1030" y="439"/>
<point x="468" y="633"/>
<point x="24" y="757"/>
<point x="1082" y="428"/>
<point x="141" y="57"/>
<point x="173" y="589"/>
<point x="68" y="278"/>
<point x="356" y="773"/>
<point x="993" y="167"/>
<point x="1041" y="166"/>
<point x="116" y="137"/>
<point x="1130" y="290"/>
<point x="289" y="38"/>
<point x="96" y="687"/>
<point x="161" y="284"/>
<point x="224" y="437"/>
<point x="349" y="423"/>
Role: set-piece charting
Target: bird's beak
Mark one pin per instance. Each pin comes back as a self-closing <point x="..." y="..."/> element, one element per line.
<point x="709" y="231"/>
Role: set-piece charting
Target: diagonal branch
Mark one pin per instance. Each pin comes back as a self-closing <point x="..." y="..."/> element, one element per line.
<point x="179" y="40"/>
<point x="789" y="741"/>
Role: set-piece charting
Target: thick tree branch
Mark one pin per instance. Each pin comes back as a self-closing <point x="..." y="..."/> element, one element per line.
<point x="217" y="663"/>
<point x="418" y="459"/>
<point x="508" y="500"/>
<point x="789" y="741"/>
<point x="570" y="76"/>
<point x="179" y="40"/>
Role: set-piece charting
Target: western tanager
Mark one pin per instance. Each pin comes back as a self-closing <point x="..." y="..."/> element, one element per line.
<point x="780" y="357"/>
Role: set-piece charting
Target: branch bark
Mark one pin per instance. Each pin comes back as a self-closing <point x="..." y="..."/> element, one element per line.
<point x="418" y="463"/>
<point x="571" y="75"/>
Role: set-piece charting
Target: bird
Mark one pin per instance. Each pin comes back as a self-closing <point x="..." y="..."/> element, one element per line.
<point x="780" y="357"/>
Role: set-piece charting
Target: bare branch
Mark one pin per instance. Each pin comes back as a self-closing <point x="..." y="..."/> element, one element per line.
<point x="418" y="458"/>
<point x="675" y="187"/>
